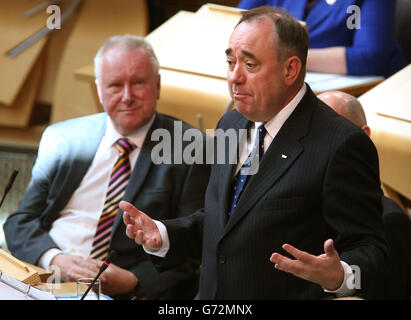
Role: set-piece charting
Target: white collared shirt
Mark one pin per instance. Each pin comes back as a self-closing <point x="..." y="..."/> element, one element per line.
<point x="272" y="126"/>
<point x="74" y="230"/>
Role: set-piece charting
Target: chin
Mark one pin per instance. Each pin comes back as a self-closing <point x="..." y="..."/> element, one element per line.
<point x="247" y="113"/>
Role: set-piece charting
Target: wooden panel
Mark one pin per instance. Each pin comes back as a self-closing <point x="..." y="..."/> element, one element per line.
<point x="27" y="138"/>
<point x="17" y="269"/>
<point x="14" y="28"/>
<point x="54" y="53"/>
<point x="201" y="101"/>
<point x="387" y="109"/>
<point x="97" y="20"/>
<point x="196" y="43"/>
<point x="19" y="113"/>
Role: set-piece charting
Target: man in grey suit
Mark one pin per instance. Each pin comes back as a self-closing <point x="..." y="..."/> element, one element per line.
<point x="308" y="223"/>
<point x="56" y="222"/>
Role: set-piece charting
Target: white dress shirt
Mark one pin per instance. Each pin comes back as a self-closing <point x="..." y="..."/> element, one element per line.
<point x="272" y="126"/>
<point x="74" y="230"/>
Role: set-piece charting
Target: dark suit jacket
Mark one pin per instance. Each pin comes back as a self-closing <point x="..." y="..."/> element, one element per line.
<point x="162" y="191"/>
<point x="397" y="284"/>
<point x="327" y="186"/>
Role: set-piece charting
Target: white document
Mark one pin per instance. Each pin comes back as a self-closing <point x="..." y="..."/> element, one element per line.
<point x="13" y="289"/>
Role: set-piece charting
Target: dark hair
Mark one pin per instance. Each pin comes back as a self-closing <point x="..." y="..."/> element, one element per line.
<point x="290" y="34"/>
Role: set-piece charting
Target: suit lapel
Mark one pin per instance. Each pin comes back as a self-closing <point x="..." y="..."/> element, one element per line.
<point x="282" y="153"/>
<point x="82" y="154"/>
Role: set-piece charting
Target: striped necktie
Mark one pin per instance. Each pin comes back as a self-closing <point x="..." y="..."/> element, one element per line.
<point x="120" y="174"/>
<point x="249" y="167"/>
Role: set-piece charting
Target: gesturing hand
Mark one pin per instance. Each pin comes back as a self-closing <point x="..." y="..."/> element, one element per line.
<point x="141" y="227"/>
<point x="325" y="269"/>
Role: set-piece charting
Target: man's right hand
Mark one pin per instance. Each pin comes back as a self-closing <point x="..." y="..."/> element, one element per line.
<point x="73" y="267"/>
<point x="141" y="227"/>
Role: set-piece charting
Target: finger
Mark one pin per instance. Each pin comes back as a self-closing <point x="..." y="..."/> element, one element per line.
<point x="329" y="248"/>
<point x="284" y="263"/>
<point x="126" y="218"/>
<point x="89" y="264"/>
<point x="149" y="240"/>
<point x="152" y="243"/>
<point x="131" y="211"/>
<point x="94" y="263"/>
<point x="298" y="254"/>
<point x="130" y="231"/>
<point x="139" y="237"/>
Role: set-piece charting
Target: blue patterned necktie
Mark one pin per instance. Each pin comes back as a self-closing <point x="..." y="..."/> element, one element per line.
<point x="249" y="167"/>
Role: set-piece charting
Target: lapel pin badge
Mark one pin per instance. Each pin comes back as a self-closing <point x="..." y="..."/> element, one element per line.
<point x="283" y="156"/>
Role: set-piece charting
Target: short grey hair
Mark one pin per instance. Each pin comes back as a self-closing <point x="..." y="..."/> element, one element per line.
<point x="127" y="42"/>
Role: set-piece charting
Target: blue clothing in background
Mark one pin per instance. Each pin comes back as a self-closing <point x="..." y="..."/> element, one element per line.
<point x="370" y="50"/>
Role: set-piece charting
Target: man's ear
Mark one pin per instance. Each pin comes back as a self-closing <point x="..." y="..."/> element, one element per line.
<point x="292" y="69"/>
<point x="98" y="91"/>
<point x="158" y="86"/>
<point x="366" y="129"/>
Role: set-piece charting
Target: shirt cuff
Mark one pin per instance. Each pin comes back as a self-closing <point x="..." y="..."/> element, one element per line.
<point x="165" y="241"/>
<point x="45" y="259"/>
<point x="345" y="289"/>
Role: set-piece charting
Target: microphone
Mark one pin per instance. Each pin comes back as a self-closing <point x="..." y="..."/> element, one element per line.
<point x="104" y="266"/>
<point x="9" y="185"/>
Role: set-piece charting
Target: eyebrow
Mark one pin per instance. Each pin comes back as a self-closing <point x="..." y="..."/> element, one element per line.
<point x="244" y="52"/>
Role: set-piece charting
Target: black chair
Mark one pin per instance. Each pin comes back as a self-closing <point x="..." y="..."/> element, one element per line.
<point x="403" y="27"/>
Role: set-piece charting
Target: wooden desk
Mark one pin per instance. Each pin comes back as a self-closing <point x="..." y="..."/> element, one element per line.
<point x="388" y="112"/>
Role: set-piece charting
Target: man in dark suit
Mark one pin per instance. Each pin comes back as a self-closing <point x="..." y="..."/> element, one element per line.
<point x="77" y="177"/>
<point x="308" y="221"/>
<point x="397" y="281"/>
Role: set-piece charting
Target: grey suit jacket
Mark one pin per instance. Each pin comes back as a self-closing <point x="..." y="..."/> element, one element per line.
<point x="162" y="191"/>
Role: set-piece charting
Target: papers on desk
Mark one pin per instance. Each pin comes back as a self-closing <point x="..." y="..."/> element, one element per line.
<point x="321" y="82"/>
<point x="13" y="289"/>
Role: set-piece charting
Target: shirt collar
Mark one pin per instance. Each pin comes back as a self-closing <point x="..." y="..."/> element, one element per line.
<point x="137" y="137"/>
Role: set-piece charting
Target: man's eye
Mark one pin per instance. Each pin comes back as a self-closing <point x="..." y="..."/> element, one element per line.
<point x="230" y="63"/>
<point x="249" y="65"/>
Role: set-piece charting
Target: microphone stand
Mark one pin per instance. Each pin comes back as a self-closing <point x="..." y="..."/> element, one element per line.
<point x="9" y="185"/>
<point x="103" y="267"/>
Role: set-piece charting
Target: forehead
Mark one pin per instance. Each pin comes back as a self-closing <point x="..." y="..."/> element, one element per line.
<point x="253" y="36"/>
<point x="118" y="59"/>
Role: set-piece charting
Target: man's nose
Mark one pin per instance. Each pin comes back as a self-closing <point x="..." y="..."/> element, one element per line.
<point x="126" y="98"/>
<point x="236" y="75"/>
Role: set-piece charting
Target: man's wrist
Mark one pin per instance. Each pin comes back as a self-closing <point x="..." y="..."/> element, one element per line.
<point x="344" y="290"/>
<point x="47" y="257"/>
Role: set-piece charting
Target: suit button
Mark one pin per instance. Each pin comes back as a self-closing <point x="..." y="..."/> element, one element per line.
<point x="221" y="259"/>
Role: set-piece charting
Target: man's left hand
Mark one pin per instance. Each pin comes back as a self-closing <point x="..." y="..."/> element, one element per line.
<point x="324" y="269"/>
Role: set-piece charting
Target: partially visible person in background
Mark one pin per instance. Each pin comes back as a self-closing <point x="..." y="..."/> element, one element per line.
<point x="397" y="283"/>
<point x="354" y="37"/>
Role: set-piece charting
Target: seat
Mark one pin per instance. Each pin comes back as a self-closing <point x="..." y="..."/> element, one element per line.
<point x="403" y="27"/>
